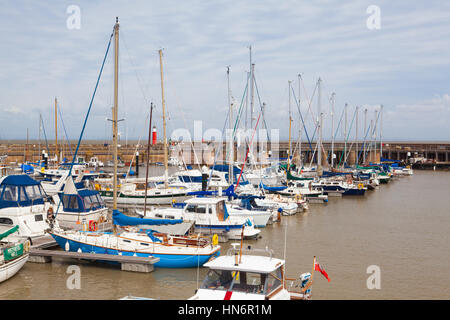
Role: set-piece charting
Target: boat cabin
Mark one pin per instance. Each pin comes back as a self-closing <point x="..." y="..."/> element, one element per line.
<point x="20" y="191"/>
<point x="246" y="277"/>
<point x="84" y="201"/>
<point x="213" y="206"/>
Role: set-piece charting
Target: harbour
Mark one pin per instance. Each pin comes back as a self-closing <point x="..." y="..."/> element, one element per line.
<point x="268" y="181"/>
<point x="348" y="234"/>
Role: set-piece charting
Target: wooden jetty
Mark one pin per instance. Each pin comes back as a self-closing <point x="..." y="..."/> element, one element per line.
<point x="40" y="253"/>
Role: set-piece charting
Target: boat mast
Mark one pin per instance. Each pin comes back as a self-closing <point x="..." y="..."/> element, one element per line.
<point x="356" y="135"/>
<point x="332" y="128"/>
<point x="39" y="134"/>
<point x="365" y="131"/>
<point x="231" y="141"/>
<point x="56" y="129"/>
<point x="381" y="131"/>
<point x="319" y="147"/>
<point x="290" y="122"/>
<point x="166" y="166"/>
<point x="301" y="125"/>
<point x="345" y="132"/>
<point x="115" y="112"/>
<point x="148" y="156"/>
<point x="375" y="137"/>
<point x="252" y="97"/>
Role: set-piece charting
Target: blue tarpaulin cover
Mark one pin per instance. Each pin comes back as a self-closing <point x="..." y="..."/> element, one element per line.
<point x="123" y="220"/>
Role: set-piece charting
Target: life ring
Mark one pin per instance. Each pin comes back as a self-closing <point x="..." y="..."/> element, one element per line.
<point x="97" y="187"/>
<point x="93" y="225"/>
<point x="26" y="246"/>
<point x="360" y="186"/>
<point x="50" y="214"/>
<point x="215" y="239"/>
<point x="298" y="197"/>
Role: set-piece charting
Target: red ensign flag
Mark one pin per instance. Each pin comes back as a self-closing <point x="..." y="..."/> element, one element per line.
<point x="317" y="267"/>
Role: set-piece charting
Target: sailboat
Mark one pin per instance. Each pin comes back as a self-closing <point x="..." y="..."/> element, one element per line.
<point x="132" y="236"/>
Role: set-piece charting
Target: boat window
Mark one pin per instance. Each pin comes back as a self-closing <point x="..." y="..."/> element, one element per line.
<point x="100" y="200"/>
<point x="22" y="194"/>
<point x="201" y="208"/>
<point x="249" y="282"/>
<point x="87" y="202"/>
<point x="220" y="210"/>
<point x="9" y="194"/>
<point x="191" y="208"/>
<point x="143" y="244"/>
<point x="6" y="221"/>
<point x="73" y="203"/>
<point x="33" y="192"/>
<point x="217" y="280"/>
<point x="273" y="281"/>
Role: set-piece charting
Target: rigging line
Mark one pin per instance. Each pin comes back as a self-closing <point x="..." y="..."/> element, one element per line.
<point x="346" y="139"/>
<point x="239" y="115"/>
<point x="191" y="142"/>
<point x="217" y="151"/>
<point x="261" y="106"/>
<point x="137" y="146"/>
<point x="45" y="135"/>
<point x="238" y="118"/>
<point x="337" y="129"/>
<point x="301" y="117"/>
<point x="372" y="142"/>
<point x="364" y="142"/>
<point x="87" y="115"/>
<point x="310" y="100"/>
<point x="251" y="142"/>
<point x="65" y="132"/>
<point x="122" y="38"/>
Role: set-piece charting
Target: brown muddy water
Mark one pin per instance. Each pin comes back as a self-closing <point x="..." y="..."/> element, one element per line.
<point x="403" y="228"/>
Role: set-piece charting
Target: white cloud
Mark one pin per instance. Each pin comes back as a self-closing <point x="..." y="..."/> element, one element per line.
<point x="400" y="64"/>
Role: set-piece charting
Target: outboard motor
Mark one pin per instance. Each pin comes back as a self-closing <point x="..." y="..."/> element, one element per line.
<point x="304" y="279"/>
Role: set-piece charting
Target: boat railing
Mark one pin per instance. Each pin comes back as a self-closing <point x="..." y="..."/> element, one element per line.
<point x="236" y="249"/>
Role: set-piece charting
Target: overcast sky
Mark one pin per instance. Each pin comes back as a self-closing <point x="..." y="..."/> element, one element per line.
<point x="404" y="65"/>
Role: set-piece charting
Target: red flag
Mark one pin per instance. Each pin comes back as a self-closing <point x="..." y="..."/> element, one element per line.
<point x="317" y="267"/>
<point x="228" y="295"/>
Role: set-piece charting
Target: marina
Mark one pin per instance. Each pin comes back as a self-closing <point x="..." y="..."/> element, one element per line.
<point x="236" y="200"/>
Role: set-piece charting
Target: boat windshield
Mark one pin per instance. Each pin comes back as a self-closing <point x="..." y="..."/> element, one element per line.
<point x="240" y="281"/>
<point x="218" y="280"/>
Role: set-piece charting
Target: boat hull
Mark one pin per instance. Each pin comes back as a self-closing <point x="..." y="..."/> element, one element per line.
<point x="9" y="269"/>
<point x="151" y="199"/>
<point x="166" y="260"/>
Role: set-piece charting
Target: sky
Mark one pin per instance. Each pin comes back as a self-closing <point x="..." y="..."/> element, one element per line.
<point x="396" y="57"/>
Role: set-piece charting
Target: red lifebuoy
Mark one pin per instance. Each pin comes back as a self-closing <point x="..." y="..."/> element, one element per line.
<point x="92" y="225"/>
